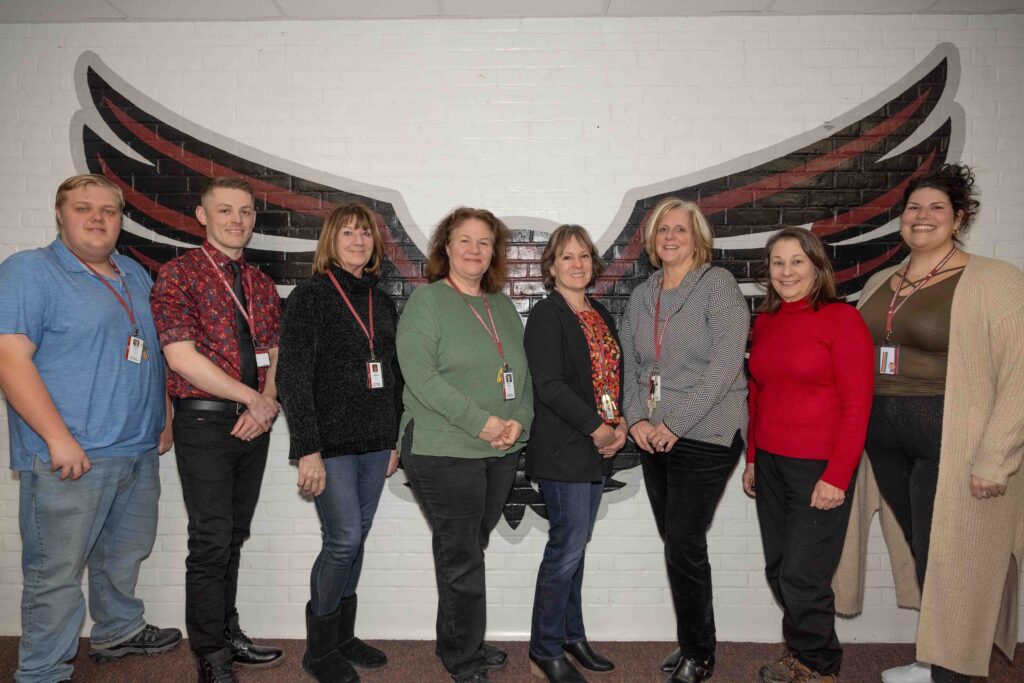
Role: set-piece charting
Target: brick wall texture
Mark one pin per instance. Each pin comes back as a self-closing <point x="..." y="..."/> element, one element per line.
<point x="764" y="121"/>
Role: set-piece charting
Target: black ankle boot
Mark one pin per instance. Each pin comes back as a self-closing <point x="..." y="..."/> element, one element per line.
<point x="668" y="665"/>
<point x="246" y="652"/>
<point x="358" y="653"/>
<point x="322" y="660"/>
<point x="216" y="667"/>
<point x="586" y="657"/>
<point x="690" y="670"/>
<point x="555" y="670"/>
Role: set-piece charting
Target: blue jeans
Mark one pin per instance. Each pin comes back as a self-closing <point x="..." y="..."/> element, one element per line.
<point x="346" y="509"/>
<point x="557" y="603"/>
<point x="107" y="519"/>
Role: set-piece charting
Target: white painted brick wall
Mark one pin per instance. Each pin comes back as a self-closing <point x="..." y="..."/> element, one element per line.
<point x="556" y="119"/>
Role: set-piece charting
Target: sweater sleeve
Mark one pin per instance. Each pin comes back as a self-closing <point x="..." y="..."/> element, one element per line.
<point x="1002" y="446"/>
<point x="752" y="400"/>
<point x="728" y="324"/>
<point x="634" y="408"/>
<point x="296" y="370"/>
<point x="853" y="369"/>
<point x="543" y="351"/>
<point x="418" y="342"/>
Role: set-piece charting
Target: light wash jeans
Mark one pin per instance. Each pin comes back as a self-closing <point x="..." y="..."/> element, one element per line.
<point x="106" y="519"/>
<point x="346" y="509"/>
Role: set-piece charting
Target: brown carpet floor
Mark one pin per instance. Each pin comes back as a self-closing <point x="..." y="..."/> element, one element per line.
<point x="414" y="661"/>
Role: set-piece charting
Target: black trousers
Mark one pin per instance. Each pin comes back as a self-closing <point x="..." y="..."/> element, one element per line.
<point x="220" y="482"/>
<point x="903" y="444"/>
<point x="684" y="487"/>
<point x="462" y="499"/>
<point x="802" y="547"/>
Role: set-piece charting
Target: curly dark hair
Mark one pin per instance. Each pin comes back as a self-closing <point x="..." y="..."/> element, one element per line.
<point x="956" y="181"/>
<point x="438" y="264"/>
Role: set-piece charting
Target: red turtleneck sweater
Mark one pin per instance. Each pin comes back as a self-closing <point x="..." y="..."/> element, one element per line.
<point x="811" y="382"/>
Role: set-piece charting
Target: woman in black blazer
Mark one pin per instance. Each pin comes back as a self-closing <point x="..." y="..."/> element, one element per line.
<point x="576" y="363"/>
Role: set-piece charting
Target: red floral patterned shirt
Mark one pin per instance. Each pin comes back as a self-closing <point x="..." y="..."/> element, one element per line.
<point x="191" y="302"/>
<point x="605" y="355"/>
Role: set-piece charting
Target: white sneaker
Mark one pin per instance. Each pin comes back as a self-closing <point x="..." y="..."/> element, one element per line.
<point x="909" y="673"/>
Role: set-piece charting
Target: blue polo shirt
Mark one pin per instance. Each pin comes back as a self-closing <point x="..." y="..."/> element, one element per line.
<point x="113" y="407"/>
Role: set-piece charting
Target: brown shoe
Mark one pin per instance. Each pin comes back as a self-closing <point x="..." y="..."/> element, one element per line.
<point x="782" y="670"/>
<point x="805" y="675"/>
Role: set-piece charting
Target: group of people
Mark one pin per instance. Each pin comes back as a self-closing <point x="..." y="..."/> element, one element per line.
<point x="455" y="388"/>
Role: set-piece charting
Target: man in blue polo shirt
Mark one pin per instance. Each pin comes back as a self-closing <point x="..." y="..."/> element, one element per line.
<point x="88" y="413"/>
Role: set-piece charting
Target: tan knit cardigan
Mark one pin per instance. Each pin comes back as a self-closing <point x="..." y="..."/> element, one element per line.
<point x="970" y="591"/>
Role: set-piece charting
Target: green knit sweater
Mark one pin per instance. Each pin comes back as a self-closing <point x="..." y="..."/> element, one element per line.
<point x="450" y="367"/>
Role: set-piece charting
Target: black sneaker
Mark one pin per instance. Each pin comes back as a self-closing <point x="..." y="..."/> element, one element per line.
<point x="149" y="641"/>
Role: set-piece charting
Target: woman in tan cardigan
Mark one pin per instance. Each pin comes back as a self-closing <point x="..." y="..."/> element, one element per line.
<point x="946" y="435"/>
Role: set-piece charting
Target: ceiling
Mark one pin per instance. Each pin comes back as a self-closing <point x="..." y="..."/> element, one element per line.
<point x="12" y="11"/>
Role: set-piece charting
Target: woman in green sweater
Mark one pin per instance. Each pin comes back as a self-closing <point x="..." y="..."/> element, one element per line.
<point x="467" y="397"/>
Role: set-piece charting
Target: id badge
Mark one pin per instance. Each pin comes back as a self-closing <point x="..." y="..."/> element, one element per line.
<point x="508" y="386"/>
<point x="374" y="375"/>
<point x="654" y="385"/>
<point x="609" y="411"/>
<point x="135" y="349"/>
<point x="263" y="358"/>
<point x="888" y="359"/>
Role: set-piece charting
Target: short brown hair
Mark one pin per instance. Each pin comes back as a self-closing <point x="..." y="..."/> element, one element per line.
<point x="86" y="180"/>
<point x="229" y="183"/>
<point x="703" y="237"/>
<point x="361" y="218"/>
<point x="437" y="260"/>
<point x="824" y="289"/>
<point x="556" y="245"/>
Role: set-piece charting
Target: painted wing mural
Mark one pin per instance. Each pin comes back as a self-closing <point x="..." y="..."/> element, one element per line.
<point x="843" y="181"/>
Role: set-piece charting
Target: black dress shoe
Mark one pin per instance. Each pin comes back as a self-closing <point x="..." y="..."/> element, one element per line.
<point x="495" y="659"/>
<point x="690" y="670"/>
<point x="587" y="658"/>
<point x="668" y="665"/>
<point x="247" y="653"/>
<point x="555" y="670"/>
<point x="216" y="667"/>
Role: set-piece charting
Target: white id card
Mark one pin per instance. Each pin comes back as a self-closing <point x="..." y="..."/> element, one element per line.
<point x="508" y="386"/>
<point x="374" y="375"/>
<point x="263" y="358"/>
<point x="135" y="350"/>
<point x="888" y="359"/>
<point x="655" y="387"/>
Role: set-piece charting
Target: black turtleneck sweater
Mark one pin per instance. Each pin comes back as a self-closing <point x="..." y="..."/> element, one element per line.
<point x="321" y="371"/>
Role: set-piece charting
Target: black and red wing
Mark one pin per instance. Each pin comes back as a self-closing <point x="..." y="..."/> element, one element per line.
<point x="161" y="167"/>
<point x="843" y="181"/>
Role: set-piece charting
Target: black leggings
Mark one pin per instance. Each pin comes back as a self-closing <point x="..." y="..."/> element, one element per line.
<point x="903" y="444"/>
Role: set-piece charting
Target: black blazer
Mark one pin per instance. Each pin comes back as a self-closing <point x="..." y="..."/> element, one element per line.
<point x="565" y="412"/>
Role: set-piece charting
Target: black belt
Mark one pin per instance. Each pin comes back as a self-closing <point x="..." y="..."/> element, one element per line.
<point x="212" y="405"/>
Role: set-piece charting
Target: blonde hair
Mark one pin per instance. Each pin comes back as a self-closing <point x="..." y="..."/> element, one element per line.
<point x="703" y="237"/>
<point x="361" y="218"/>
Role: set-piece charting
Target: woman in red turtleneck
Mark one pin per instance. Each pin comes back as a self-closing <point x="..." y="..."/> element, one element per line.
<point x="811" y="381"/>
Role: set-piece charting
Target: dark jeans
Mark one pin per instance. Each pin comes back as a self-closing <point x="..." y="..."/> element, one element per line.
<point x="557" y="603"/>
<point x="462" y="499"/>
<point x="903" y="444"/>
<point x="220" y="482"/>
<point x="684" y="487"/>
<point x="802" y="547"/>
<point x="346" y="509"/>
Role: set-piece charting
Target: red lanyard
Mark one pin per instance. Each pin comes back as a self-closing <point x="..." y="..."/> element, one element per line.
<point x="126" y="305"/>
<point x="893" y="307"/>
<point x="492" y="331"/>
<point x="367" y="332"/>
<point x="227" y="285"/>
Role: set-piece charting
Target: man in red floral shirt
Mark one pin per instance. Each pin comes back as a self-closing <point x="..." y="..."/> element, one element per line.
<point x="218" y="319"/>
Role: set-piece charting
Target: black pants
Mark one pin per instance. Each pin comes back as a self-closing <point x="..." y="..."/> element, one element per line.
<point x="903" y="444"/>
<point x="684" y="487"/>
<point x="802" y="547"/>
<point x="220" y="482"/>
<point x="462" y="499"/>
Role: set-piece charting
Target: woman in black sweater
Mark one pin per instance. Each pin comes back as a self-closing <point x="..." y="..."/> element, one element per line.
<point x="575" y="360"/>
<point x="341" y="388"/>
